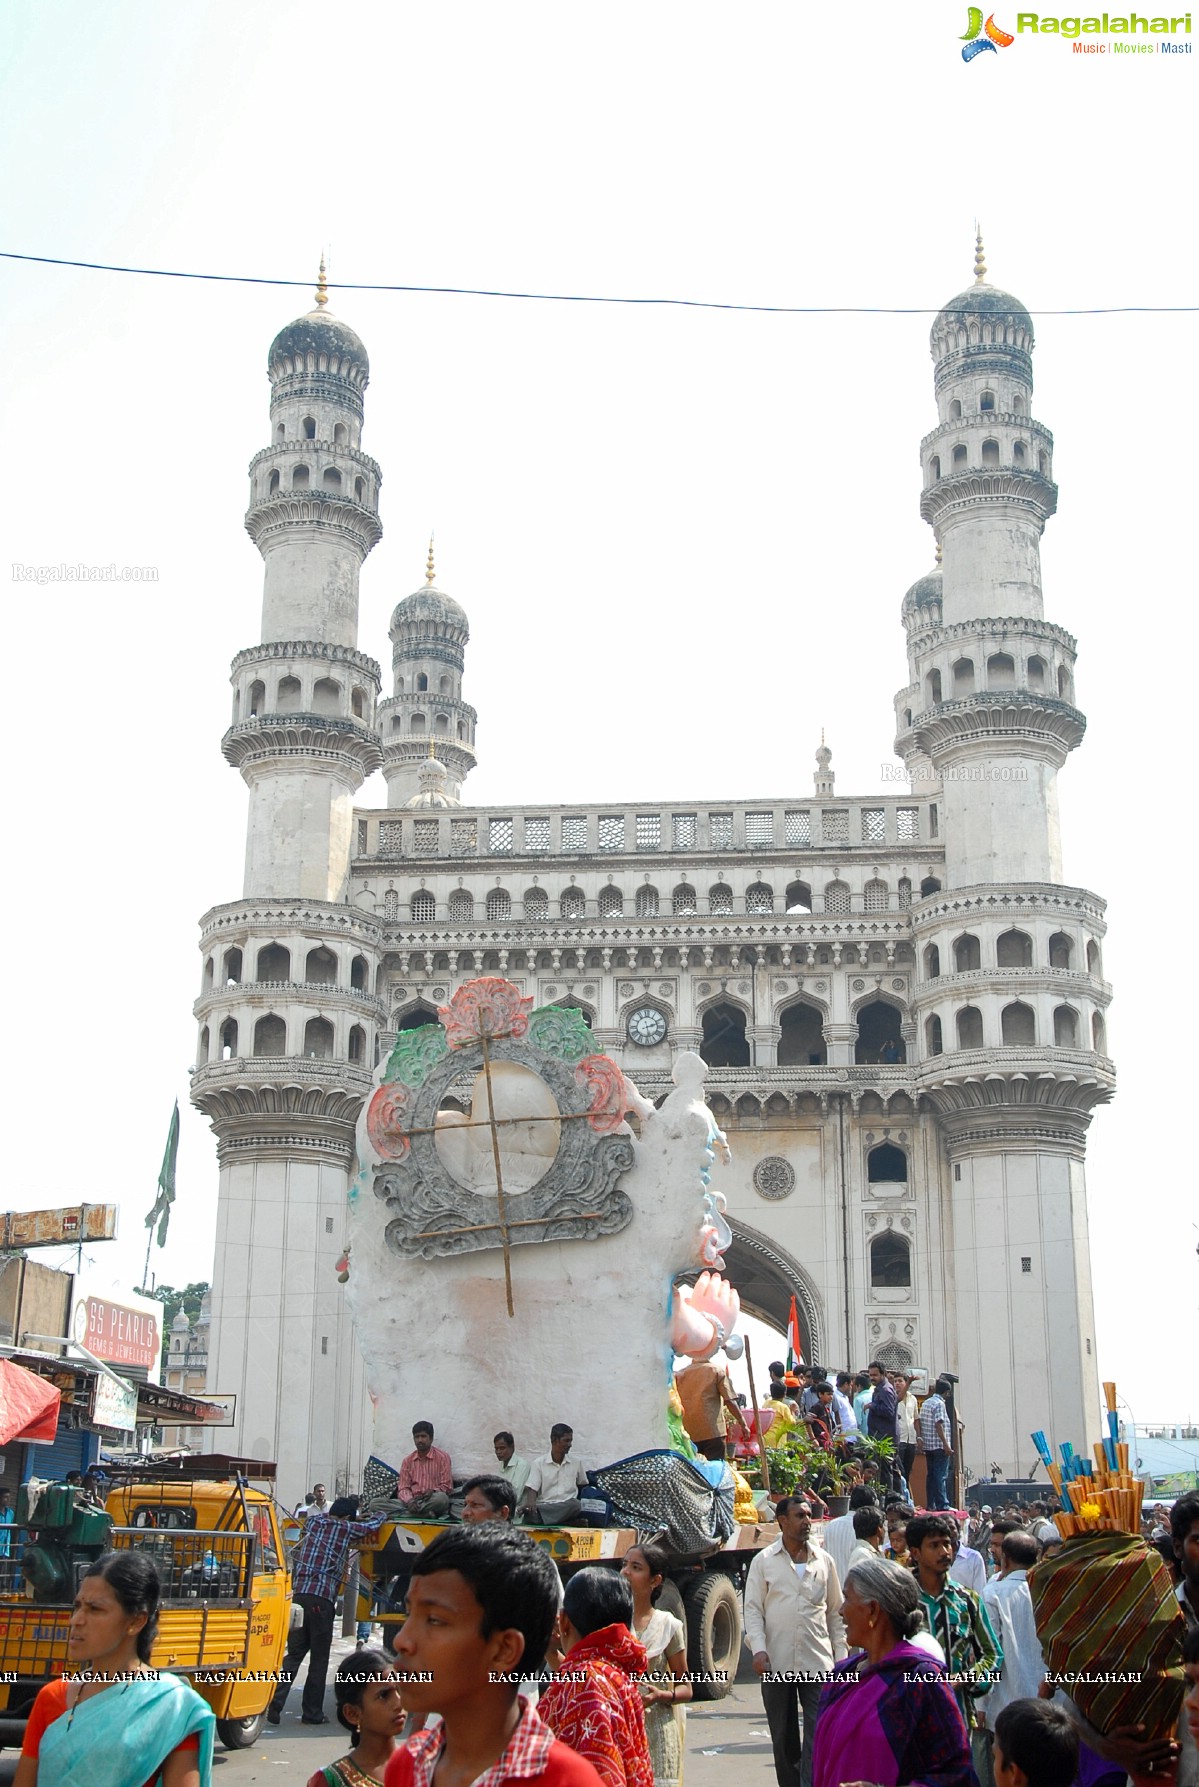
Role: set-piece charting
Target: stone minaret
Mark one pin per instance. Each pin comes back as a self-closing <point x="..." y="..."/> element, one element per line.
<point x="288" y="1017"/>
<point x="1010" y="997"/>
<point x="429" y="633"/>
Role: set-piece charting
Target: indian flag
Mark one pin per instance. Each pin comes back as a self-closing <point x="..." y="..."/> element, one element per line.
<point x="794" y="1345"/>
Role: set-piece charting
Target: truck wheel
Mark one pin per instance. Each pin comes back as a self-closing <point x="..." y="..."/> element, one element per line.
<point x="671" y="1601"/>
<point x="713" y="1634"/>
<point x="239" y="1734"/>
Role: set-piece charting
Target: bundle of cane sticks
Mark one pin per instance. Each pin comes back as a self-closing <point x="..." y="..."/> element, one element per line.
<point x="1099" y="1497"/>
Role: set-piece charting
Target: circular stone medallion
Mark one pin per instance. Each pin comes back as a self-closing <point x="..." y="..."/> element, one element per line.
<point x="774" y="1177"/>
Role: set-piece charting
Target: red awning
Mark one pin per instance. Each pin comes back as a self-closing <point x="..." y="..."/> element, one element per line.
<point x="28" y="1405"/>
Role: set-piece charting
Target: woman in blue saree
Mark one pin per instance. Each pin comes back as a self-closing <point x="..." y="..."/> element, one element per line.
<point x="112" y="1721"/>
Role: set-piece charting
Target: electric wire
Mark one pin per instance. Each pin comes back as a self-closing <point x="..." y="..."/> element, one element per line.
<point x="465" y="291"/>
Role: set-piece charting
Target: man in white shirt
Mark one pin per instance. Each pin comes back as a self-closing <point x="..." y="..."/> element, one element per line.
<point x="794" y="1630"/>
<point x="870" y="1528"/>
<point x="968" y="1568"/>
<point x="551" y="1496"/>
<point x="1007" y="1600"/>
<point x="906" y="1420"/>
<point x="839" y="1536"/>
<point x="847" y="1422"/>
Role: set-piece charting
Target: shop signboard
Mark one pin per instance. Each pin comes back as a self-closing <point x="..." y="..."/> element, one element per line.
<point x="113" y="1405"/>
<point x="125" y="1331"/>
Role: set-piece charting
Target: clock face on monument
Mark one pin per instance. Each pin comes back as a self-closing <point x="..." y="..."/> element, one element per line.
<point x="646" y="1026"/>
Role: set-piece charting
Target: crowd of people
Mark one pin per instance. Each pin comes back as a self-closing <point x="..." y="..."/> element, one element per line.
<point x="889" y="1649"/>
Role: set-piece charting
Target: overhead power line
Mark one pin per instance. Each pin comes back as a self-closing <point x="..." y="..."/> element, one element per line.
<point x="469" y="291"/>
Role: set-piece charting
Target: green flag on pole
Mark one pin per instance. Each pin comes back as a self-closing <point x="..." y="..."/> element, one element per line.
<point x="161" y="1213"/>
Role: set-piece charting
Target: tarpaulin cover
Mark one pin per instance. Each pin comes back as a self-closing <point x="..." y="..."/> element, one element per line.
<point x="661" y="1492"/>
<point x="28" y="1405"/>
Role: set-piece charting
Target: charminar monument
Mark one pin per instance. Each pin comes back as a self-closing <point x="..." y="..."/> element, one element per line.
<point x="899" y="997"/>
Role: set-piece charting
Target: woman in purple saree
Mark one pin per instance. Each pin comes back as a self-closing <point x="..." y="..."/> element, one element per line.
<point x="888" y="1716"/>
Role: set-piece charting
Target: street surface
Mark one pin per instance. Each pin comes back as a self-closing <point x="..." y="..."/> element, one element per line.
<point x="727" y="1740"/>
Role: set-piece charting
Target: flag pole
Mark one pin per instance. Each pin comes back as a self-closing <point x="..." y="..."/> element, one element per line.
<point x="753" y="1397"/>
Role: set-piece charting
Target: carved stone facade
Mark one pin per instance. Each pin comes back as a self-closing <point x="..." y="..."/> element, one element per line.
<point x="901" y="1003"/>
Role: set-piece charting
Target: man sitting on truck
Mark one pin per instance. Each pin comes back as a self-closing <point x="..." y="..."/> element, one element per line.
<point x="515" y="1469"/>
<point x="551" y="1495"/>
<point x="426" y="1477"/>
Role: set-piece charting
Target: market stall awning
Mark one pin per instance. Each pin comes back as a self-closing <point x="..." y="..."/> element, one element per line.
<point x="28" y="1405"/>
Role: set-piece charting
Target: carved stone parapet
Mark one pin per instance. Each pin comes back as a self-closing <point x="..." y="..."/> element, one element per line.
<point x="288" y="992"/>
<point x="271" y="917"/>
<point x="324" y="737"/>
<point x="279" y="451"/>
<point x="276" y="516"/>
<point x="1017" y="1079"/>
<point x="974" y="487"/>
<point x="1063" y="983"/>
<point x="283" y="1098"/>
<point x="988" y="419"/>
<point x="1014" y="1129"/>
<point x="317" y="649"/>
<point x="1037" y="724"/>
<point x="1030" y="899"/>
<point x="399" y="752"/>
<point x="998" y="626"/>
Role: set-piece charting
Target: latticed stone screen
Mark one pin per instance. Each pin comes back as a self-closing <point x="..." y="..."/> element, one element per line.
<point x="499" y="837"/>
<point x="799" y="827"/>
<point x="759" y="898"/>
<point x="684" y="902"/>
<point x="572" y="904"/>
<point x="836" y="897"/>
<point x="720" y="831"/>
<point x="537" y="834"/>
<point x="649" y="831"/>
<point x="499" y="904"/>
<point x="683" y="826"/>
<point x="611" y="902"/>
<point x="362" y="837"/>
<point x="611" y="831"/>
<point x="907" y="824"/>
<point x="537" y="903"/>
<point x="424" y="837"/>
<point x="905" y="893"/>
<point x="720" y="899"/>
<point x="874" y="825"/>
<point x="461" y="906"/>
<point x="391" y="837"/>
<point x="835" y="826"/>
<point x="876" y="896"/>
<point x="759" y="829"/>
<point x="647" y="902"/>
<point x="424" y="908"/>
<point x="464" y="837"/>
<point x="391" y="904"/>
<point x="574" y="833"/>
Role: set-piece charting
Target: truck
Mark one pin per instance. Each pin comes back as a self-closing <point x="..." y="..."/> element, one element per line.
<point x="211" y="1528"/>
<point x="704" y="1589"/>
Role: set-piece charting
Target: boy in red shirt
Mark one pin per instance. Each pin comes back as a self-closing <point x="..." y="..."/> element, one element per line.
<point x="481" y="1609"/>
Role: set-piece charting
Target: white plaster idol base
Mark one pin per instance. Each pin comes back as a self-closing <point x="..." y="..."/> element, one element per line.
<point x="588" y="1343"/>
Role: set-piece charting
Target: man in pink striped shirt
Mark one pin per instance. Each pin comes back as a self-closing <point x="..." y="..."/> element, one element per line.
<point x="426" y="1477"/>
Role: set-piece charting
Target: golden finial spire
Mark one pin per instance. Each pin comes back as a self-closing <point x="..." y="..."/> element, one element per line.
<point x="322" y="285"/>
<point x="432" y="750"/>
<point x="980" y="264"/>
<point x="938" y="555"/>
<point x="429" y="563"/>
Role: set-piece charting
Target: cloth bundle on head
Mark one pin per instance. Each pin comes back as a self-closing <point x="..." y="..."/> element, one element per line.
<point x="1105" y="1604"/>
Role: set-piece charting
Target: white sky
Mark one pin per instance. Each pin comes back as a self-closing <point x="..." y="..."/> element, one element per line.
<point x="682" y="537"/>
